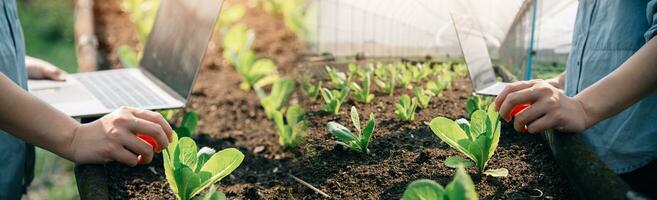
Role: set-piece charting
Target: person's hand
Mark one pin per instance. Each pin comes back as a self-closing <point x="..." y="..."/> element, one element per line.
<point x="549" y="108"/>
<point x="40" y="69"/>
<point x="113" y="138"/>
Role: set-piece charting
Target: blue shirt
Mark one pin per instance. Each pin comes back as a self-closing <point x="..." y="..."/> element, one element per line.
<point x="16" y="157"/>
<point x="606" y="34"/>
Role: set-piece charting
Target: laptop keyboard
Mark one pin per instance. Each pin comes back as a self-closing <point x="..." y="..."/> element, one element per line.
<point x="116" y="88"/>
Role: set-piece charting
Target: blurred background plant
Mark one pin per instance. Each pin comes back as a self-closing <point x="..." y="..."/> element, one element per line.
<point x="48" y="29"/>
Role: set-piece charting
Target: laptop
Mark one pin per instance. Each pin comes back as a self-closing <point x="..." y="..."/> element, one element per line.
<point x="473" y="45"/>
<point x="170" y="62"/>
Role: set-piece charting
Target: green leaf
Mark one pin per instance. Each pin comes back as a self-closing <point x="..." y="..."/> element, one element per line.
<point x="190" y="121"/>
<point x="355" y="119"/>
<point x="477" y="123"/>
<point x="129" y="58"/>
<point x="187" y="182"/>
<point x="212" y="194"/>
<point x="341" y="132"/>
<point x="368" y="131"/>
<point x="203" y="156"/>
<point x="449" y="132"/>
<point x="461" y="187"/>
<point x="294" y="115"/>
<point x="456" y="161"/>
<point x="186" y="153"/>
<point x="219" y="166"/>
<point x="261" y="68"/>
<point x="479" y="149"/>
<point x="183" y="132"/>
<point x="500" y="172"/>
<point x="424" y="189"/>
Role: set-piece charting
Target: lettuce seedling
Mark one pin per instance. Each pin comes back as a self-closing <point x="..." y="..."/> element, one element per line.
<point x="280" y="91"/>
<point x="311" y="90"/>
<point x="292" y="129"/>
<point x="477" y="103"/>
<point x="405" y="108"/>
<point x="355" y="70"/>
<point x="404" y="76"/>
<point x="237" y="40"/>
<point x="337" y="79"/>
<point x="387" y="81"/>
<point x="460" y="70"/>
<point x="334" y="98"/>
<point x="359" y="141"/>
<point x="423" y="97"/>
<point x="189" y="171"/>
<point x="420" y="72"/>
<point x="188" y="125"/>
<point x="461" y="187"/>
<point x="362" y="94"/>
<point x="237" y="51"/>
<point x="439" y="85"/>
<point x="476" y="139"/>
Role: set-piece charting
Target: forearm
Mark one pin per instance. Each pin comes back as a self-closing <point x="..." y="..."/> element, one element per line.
<point x="631" y="82"/>
<point x="34" y="121"/>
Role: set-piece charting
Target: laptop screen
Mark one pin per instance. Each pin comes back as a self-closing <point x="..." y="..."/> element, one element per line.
<point x="178" y="40"/>
<point x="475" y="51"/>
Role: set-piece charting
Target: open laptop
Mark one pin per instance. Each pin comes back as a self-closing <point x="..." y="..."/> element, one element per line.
<point x="473" y="45"/>
<point x="169" y="65"/>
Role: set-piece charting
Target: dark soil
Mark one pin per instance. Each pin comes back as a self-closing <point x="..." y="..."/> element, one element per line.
<point x="400" y="152"/>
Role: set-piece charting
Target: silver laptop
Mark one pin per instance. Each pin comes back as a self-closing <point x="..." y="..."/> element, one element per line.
<point x="473" y="45"/>
<point x="169" y="65"/>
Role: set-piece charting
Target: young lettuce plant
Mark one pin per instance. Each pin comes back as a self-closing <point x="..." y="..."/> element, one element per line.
<point x="405" y="77"/>
<point x="438" y="86"/>
<point x="292" y="129"/>
<point x="477" y="103"/>
<point x="311" y="90"/>
<point x="387" y="80"/>
<point x="423" y="97"/>
<point x="237" y="50"/>
<point x="280" y="91"/>
<point x="420" y="72"/>
<point x="476" y="139"/>
<point x="334" y="98"/>
<point x="337" y="79"/>
<point x="188" y="125"/>
<point x="355" y="70"/>
<point x="461" y="188"/>
<point x="359" y="141"/>
<point x="189" y="171"/>
<point x="362" y="94"/>
<point x="405" y="108"/>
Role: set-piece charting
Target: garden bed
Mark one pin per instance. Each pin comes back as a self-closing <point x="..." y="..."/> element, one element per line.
<point x="400" y="152"/>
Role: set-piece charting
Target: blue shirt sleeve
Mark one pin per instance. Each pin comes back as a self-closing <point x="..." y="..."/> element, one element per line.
<point x="652" y="19"/>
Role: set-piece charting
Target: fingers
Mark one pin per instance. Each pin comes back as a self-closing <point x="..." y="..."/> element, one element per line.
<point x="155" y="118"/>
<point x="138" y="146"/>
<point x="527" y="116"/>
<point x="543" y="123"/>
<point x="141" y="126"/>
<point x="523" y="96"/>
<point x="55" y="74"/>
<point x="126" y="157"/>
<point x="510" y="88"/>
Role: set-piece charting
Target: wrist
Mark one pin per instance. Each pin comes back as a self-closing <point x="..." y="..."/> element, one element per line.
<point x="68" y="148"/>
<point x="588" y="115"/>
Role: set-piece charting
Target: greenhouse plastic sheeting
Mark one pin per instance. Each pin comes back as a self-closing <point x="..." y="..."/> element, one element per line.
<point x="423" y="27"/>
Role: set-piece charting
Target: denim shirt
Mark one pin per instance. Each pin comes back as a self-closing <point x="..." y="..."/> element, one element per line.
<point x="606" y="34"/>
<point x="17" y="157"/>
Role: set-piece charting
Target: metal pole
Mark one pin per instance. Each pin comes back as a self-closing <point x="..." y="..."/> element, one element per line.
<point x="530" y="51"/>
